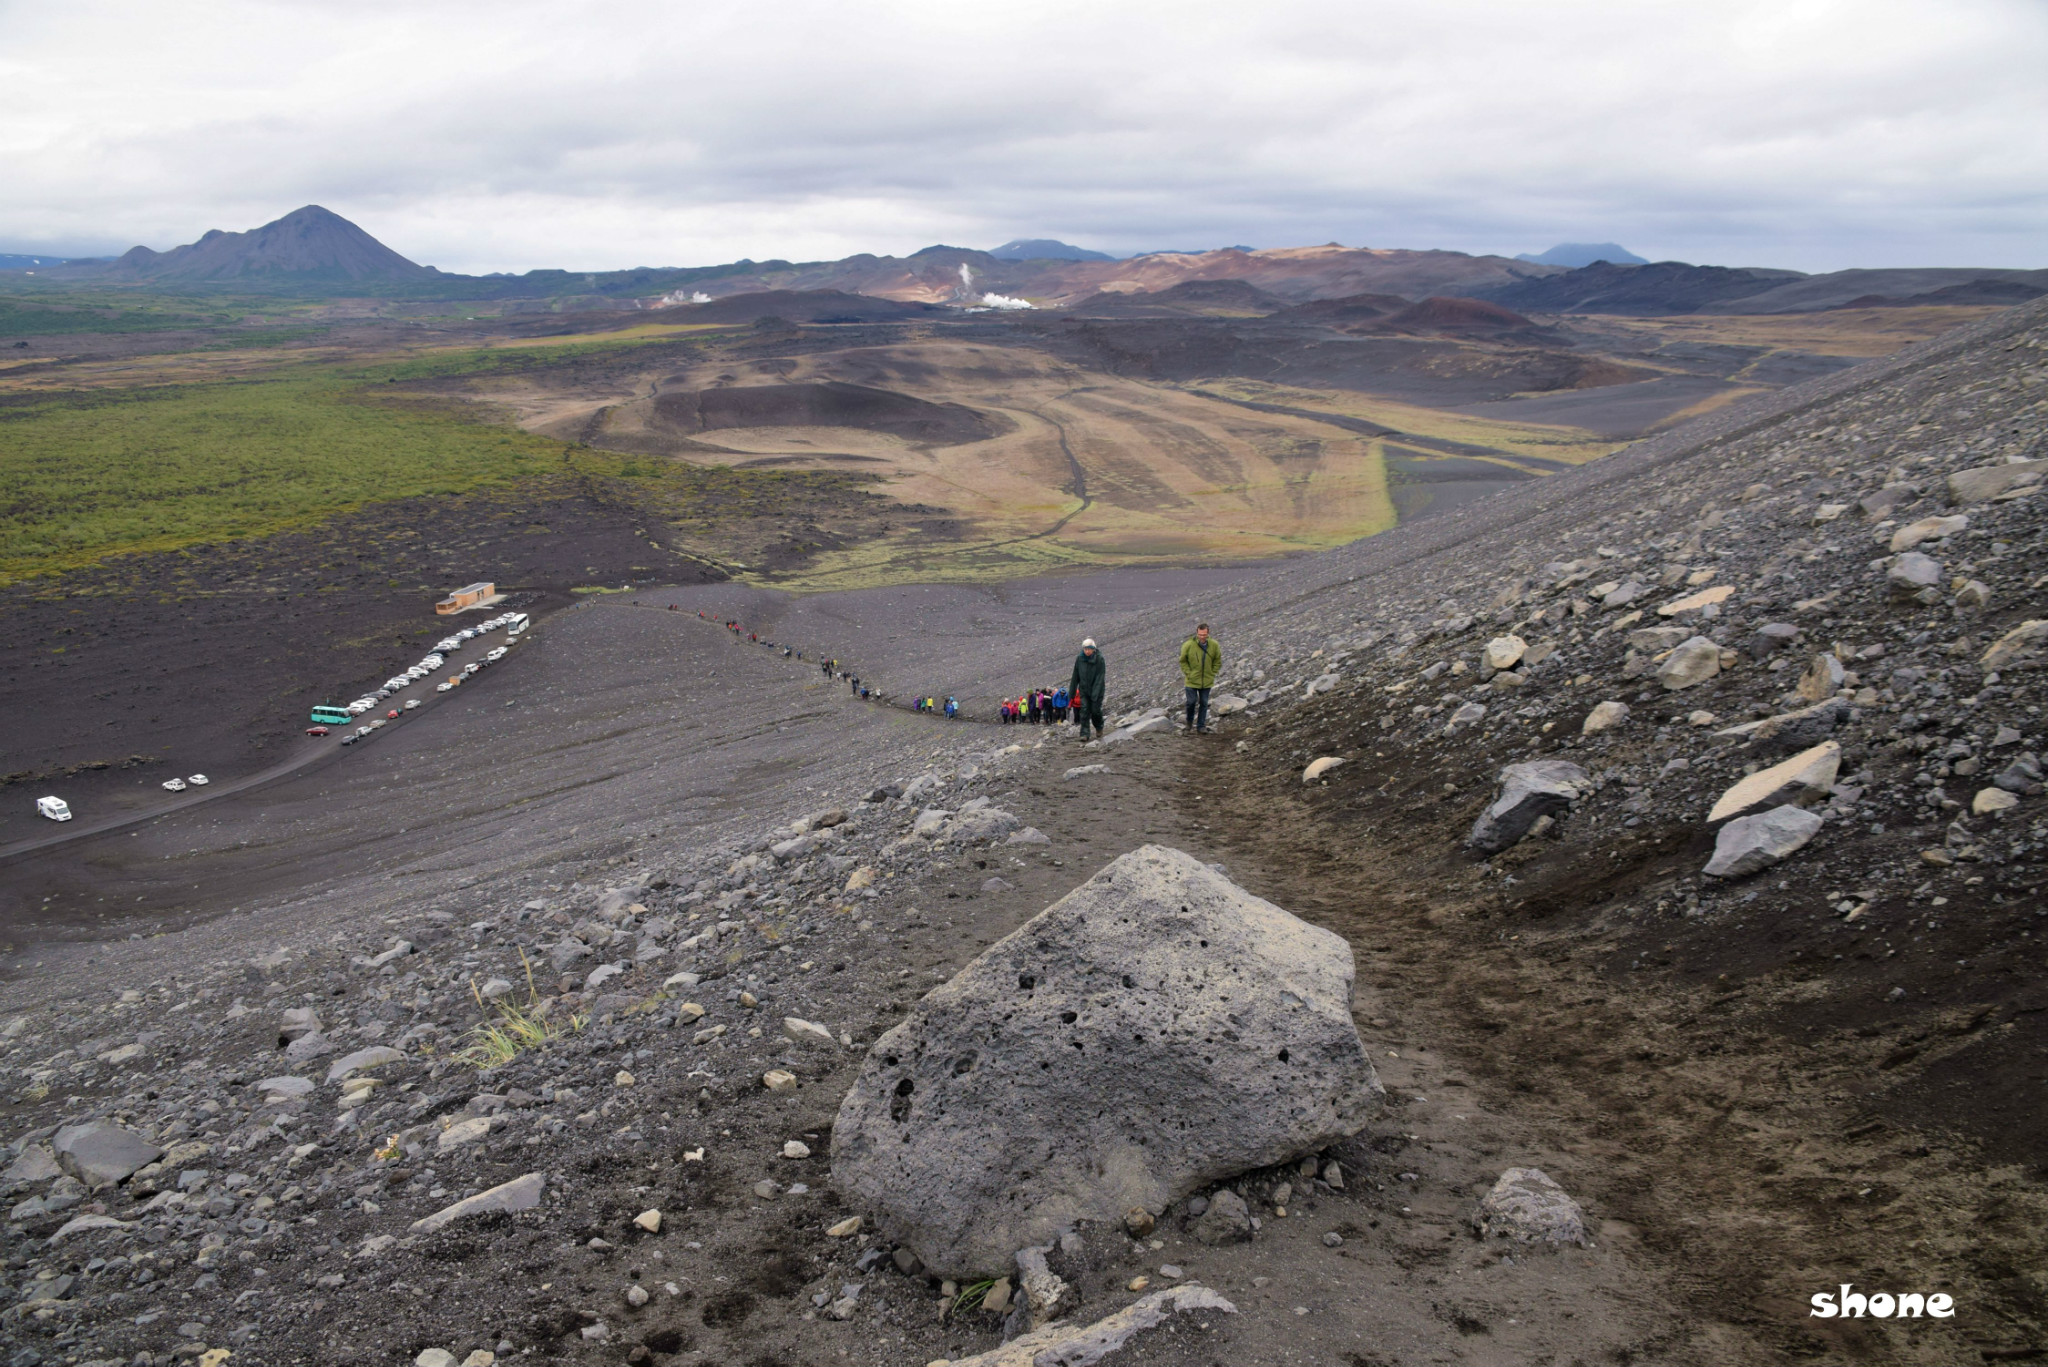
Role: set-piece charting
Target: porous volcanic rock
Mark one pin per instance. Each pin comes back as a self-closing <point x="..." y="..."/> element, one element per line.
<point x="1155" y="1030"/>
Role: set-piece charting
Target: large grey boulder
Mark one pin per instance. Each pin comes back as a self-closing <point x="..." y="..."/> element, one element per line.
<point x="1153" y="1031"/>
<point x="1528" y="792"/>
<point x="100" y="1153"/>
<point x="1752" y="843"/>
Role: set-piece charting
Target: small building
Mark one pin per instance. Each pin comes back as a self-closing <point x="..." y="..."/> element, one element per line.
<point x="465" y="598"/>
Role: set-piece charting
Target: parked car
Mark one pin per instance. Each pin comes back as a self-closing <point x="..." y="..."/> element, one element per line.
<point x="350" y="739"/>
<point x="411" y="703"/>
<point x="198" y="780"/>
<point x="316" y="730"/>
<point x="54" y="808"/>
<point x="497" y="654"/>
<point x="444" y="686"/>
<point x="176" y="785"/>
<point x="392" y="715"/>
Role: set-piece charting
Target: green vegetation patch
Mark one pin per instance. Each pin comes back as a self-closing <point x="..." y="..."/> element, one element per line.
<point x="88" y="476"/>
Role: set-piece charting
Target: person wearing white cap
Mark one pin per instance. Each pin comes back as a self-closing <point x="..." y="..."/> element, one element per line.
<point x="1085" y="689"/>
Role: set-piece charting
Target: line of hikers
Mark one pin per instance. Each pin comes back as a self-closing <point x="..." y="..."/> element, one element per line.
<point x="1079" y="700"/>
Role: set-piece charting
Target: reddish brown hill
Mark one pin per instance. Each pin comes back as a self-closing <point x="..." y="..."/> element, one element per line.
<point x="1468" y="316"/>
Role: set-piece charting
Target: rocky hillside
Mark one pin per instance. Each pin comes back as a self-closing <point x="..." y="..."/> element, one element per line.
<point x="1682" y="817"/>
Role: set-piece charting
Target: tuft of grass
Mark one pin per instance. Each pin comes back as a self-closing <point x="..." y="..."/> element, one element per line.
<point x="971" y="1296"/>
<point x="517" y="1027"/>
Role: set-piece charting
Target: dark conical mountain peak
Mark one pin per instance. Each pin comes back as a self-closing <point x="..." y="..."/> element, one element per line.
<point x="310" y="244"/>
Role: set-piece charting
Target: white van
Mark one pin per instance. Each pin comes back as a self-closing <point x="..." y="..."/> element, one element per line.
<point x="54" y="808"/>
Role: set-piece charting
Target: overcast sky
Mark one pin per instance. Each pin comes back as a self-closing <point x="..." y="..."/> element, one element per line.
<point x="505" y="135"/>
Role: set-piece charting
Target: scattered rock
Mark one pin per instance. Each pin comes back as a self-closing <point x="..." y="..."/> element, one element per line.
<point x="1913" y="575"/>
<point x="808" y="1032"/>
<point x="1751" y="843"/>
<point x="1987" y="482"/>
<point x="950" y="1138"/>
<point x="1528" y="1208"/>
<point x="1604" y="717"/>
<point x="376" y="1056"/>
<point x="1805" y="778"/>
<point x="521" y="1193"/>
<point x="779" y="1080"/>
<point x="100" y="1153"/>
<point x="1926" y="529"/>
<point x="1317" y="768"/>
<point x="1691" y="662"/>
<point x="1989" y="800"/>
<point x="1694" y="602"/>
<point x="2015" y="643"/>
<point x="1504" y="652"/>
<point x="649" y="1220"/>
<point x="1226" y="1220"/>
<point x="1528" y="791"/>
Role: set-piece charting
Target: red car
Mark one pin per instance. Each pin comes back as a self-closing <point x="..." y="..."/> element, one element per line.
<point x="316" y="730"/>
<point x="392" y="715"/>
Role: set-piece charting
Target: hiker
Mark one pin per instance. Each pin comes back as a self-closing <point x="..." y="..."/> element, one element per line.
<point x="1031" y="707"/>
<point x="1200" y="661"/>
<point x="1059" y="706"/>
<point x="1086" y="687"/>
<point x="952" y="706"/>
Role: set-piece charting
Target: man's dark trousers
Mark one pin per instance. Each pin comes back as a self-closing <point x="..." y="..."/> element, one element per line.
<point x="1198" y="707"/>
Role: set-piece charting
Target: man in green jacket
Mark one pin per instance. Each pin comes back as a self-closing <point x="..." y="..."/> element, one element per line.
<point x="1084" y="690"/>
<point x="1200" y="661"/>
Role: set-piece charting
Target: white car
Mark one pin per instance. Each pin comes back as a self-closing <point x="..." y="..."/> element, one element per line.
<point x="176" y="785"/>
<point x="55" y="808"/>
<point x="411" y="703"/>
<point x="466" y="634"/>
<point x="444" y="687"/>
<point x="198" y="780"/>
<point x="497" y="654"/>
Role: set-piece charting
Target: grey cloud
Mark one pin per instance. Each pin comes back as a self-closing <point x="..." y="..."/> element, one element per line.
<point x="511" y="135"/>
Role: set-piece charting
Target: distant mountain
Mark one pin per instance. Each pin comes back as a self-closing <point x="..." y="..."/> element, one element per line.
<point x="307" y="246"/>
<point x="1577" y="254"/>
<point x="1046" y="249"/>
<point x="1669" y="287"/>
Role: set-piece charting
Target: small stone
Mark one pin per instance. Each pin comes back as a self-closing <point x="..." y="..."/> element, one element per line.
<point x="779" y="1080"/>
<point x="846" y="1228"/>
<point x="1691" y="663"/>
<point x="1333" y="1240"/>
<point x="1504" y="652"/>
<point x="1529" y="1208"/>
<point x="1913" y="574"/>
<point x="1989" y="800"/>
<point x="1822" y="678"/>
<point x="434" y="1357"/>
<point x="749" y="1000"/>
<point x="649" y="1220"/>
<point x="463" y="1132"/>
<point x="1926" y="529"/>
<point x="796" y="1148"/>
<point x="1333" y="1175"/>
<point x="1225" y="1221"/>
<point x="765" y="1190"/>
<point x="1137" y="1283"/>
<point x="622" y="1078"/>
<point x="1937" y="857"/>
<point x="1317" y="768"/>
<point x="1701" y="718"/>
<point x="1694" y="602"/>
<point x="482" y="1357"/>
<point x="1139" y="1221"/>
<point x="1604" y="717"/>
<point x="808" y="1032"/>
<point x="997" y="1300"/>
<point x="636" y="1295"/>
<point x="906" y="1262"/>
<point x="1171" y="1272"/>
